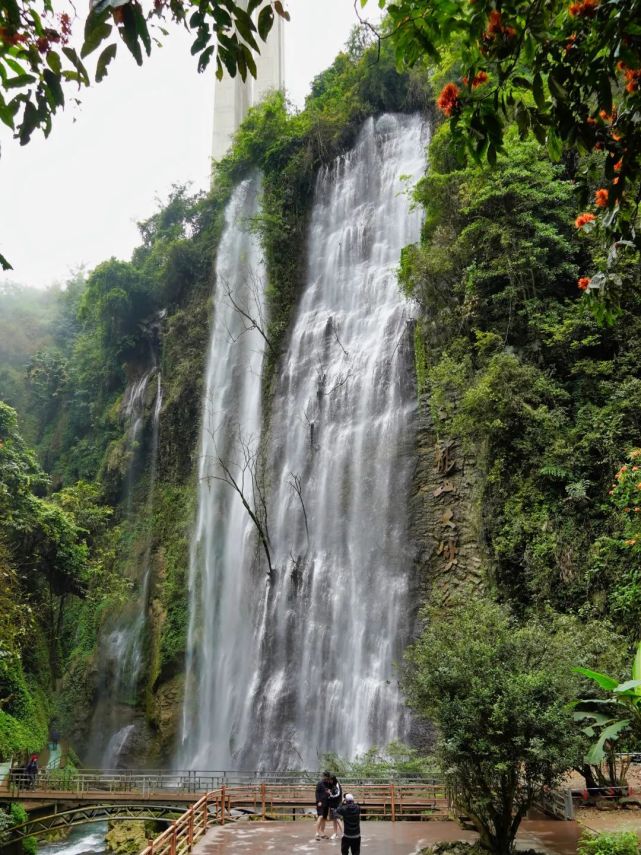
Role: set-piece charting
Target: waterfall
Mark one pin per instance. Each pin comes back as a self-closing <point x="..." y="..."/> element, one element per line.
<point x="285" y="669"/>
<point x="220" y="658"/>
<point x="341" y="452"/>
<point x="122" y="647"/>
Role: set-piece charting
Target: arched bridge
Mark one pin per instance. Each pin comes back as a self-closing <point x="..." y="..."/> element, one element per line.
<point x="90" y="813"/>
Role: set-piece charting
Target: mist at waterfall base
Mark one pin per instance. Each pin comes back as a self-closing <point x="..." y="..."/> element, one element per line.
<point x="287" y="666"/>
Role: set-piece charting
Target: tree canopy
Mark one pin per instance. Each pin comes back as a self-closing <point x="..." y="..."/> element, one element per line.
<point x="498" y="691"/>
<point x="567" y="72"/>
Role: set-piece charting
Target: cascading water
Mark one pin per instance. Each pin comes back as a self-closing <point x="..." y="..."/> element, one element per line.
<point x="305" y="663"/>
<point x="121" y="650"/>
<point x="220" y="658"/>
<point x="342" y="453"/>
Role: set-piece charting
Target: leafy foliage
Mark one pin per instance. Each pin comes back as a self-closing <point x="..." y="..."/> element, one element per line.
<point x="570" y="74"/>
<point x="542" y="395"/>
<point x="498" y="691"/>
<point x="38" y="63"/>
<point x="615" y="843"/>
<point x="612" y="718"/>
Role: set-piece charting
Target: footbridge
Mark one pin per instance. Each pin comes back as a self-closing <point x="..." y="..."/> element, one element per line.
<point x="194" y="801"/>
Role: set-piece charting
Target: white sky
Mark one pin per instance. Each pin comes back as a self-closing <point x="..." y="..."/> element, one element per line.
<point x="75" y="197"/>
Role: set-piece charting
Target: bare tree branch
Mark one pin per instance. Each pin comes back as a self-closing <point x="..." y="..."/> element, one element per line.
<point x="296" y="485"/>
<point x="251" y="494"/>
<point x="255" y="323"/>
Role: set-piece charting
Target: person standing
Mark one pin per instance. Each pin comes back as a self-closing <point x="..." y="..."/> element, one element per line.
<point x="322" y="804"/>
<point x="32" y="770"/>
<point x="351" y="815"/>
<point x="335" y="798"/>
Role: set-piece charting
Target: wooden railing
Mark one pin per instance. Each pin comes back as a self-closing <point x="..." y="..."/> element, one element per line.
<point x="289" y="802"/>
<point x="181" y="835"/>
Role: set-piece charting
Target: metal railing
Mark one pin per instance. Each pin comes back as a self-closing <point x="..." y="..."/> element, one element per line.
<point x="391" y="801"/>
<point x="144" y="782"/>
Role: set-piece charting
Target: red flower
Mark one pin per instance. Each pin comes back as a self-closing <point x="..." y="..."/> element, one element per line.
<point x="584" y="219"/>
<point x="585" y="9"/>
<point x="583" y="283"/>
<point x="601" y="198"/>
<point x="448" y="101"/>
<point x="495" y="23"/>
<point x="42" y="43"/>
<point x="479" y="79"/>
<point x="618" y="165"/>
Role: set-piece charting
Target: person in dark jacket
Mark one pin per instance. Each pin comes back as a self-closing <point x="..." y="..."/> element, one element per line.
<point x="32" y="770"/>
<point x="322" y="804"/>
<point x="335" y="798"/>
<point x="351" y="815"/>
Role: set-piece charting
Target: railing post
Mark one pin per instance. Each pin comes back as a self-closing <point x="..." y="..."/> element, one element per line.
<point x="391" y="792"/>
<point x="262" y="797"/>
<point x="222" y="805"/>
<point x="190" y="832"/>
<point x="172" y="849"/>
<point x="205" y="806"/>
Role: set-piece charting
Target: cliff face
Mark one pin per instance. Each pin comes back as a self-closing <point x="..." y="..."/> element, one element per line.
<point x="446" y="516"/>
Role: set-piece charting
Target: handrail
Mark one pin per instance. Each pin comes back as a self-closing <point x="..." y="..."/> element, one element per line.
<point x="148" y="781"/>
<point x="390" y="801"/>
<point x="183" y="832"/>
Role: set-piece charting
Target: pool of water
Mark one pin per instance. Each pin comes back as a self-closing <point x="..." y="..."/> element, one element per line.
<point x="84" y="840"/>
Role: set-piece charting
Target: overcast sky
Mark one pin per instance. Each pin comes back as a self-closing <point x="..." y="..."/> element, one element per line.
<point x="75" y="197"/>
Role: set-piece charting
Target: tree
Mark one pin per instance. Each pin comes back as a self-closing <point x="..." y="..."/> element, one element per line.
<point x="569" y="73"/>
<point x="609" y="719"/>
<point x="498" y="692"/>
<point x="38" y="63"/>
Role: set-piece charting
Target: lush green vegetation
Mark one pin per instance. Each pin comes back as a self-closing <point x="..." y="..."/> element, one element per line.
<point x="499" y="690"/>
<point x="540" y="391"/>
<point x="621" y="843"/>
<point x="87" y="342"/>
<point x="544" y="395"/>
<point x="568" y="73"/>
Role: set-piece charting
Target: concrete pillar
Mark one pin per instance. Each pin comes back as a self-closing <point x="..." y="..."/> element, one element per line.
<point x="233" y="97"/>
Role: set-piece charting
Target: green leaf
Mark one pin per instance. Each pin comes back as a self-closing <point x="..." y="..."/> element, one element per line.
<point x="20" y="80"/>
<point x="103" y="61"/>
<point x="608" y="683"/>
<point x="29" y="123"/>
<point x="74" y="59"/>
<point x="129" y="33"/>
<point x="627" y="686"/>
<point x="537" y="90"/>
<point x="205" y="57"/>
<point x="94" y="36"/>
<point x="557" y="90"/>
<point x="636" y="666"/>
<point x="53" y="82"/>
<point x="596" y="754"/>
<point x="605" y="93"/>
<point x="265" y="22"/>
<point x="4" y="263"/>
<point x="54" y="63"/>
<point x="554" y="146"/>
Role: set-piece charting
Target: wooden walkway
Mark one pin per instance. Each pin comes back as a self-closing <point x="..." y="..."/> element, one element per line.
<point x="379" y="838"/>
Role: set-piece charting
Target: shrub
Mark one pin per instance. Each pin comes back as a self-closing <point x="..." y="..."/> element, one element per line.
<point x="613" y="843"/>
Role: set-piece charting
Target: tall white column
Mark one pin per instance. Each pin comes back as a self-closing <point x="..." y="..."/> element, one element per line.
<point x="233" y="97"/>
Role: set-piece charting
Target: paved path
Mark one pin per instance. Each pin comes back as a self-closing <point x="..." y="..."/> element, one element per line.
<point x="379" y="838"/>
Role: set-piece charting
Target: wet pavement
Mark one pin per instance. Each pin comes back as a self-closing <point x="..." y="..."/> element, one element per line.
<point x="379" y="838"/>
